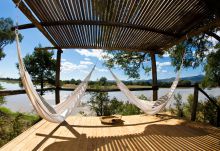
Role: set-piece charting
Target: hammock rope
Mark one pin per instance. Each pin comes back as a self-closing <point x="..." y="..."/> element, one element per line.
<point x="59" y="112"/>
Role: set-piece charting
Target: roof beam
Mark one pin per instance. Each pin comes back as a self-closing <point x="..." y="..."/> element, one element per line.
<point x="101" y="23"/>
<point x="22" y="6"/>
<point x="105" y="48"/>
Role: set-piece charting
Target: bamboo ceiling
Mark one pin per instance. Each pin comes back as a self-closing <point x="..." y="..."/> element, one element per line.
<point x="143" y="25"/>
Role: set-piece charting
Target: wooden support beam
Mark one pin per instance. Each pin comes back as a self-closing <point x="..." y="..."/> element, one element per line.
<point x="154" y="76"/>
<point x="218" y="117"/>
<point x="195" y="102"/>
<point x="22" y="91"/>
<point x="57" y="84"/>
<point x="100" y="23"/>
<point x="25" y="10"/>
<point x="104" y="48"/>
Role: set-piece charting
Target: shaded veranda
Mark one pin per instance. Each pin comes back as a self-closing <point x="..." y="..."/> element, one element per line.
<point x="138" y="132"/>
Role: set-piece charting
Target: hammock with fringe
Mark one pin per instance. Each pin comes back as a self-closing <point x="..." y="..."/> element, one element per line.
<point x="59" y="112"/>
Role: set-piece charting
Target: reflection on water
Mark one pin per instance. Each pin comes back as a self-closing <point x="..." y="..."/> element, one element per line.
<point x="21" y="102"/>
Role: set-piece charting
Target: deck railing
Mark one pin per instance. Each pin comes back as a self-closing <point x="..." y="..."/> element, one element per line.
<point x="196" y="87"/>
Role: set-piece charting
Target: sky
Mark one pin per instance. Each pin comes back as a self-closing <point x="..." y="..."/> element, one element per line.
<point x="75" y="63"/>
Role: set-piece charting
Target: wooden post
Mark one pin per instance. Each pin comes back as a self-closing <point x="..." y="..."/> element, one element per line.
<point x="195" y="102"/>
<point x="218" y="117"/>
<point x="154" y="76"/>
<point x="57" y="82"/>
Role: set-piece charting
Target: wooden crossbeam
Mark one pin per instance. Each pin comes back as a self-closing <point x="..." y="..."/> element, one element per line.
<point x="104" y="48"/>
<point x="101" y="23"/>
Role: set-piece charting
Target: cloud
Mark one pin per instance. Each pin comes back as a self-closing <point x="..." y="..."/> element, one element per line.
<point x="69" y="66"/>
<point x="101" y="70"/>
<point x="165" y="55"/>
<point x="98" y="53"/>
<point x="164" y="71"/>
<point x="87" y="59"/>
<point x="85" y="63"/>
<point x="161" y="64"/>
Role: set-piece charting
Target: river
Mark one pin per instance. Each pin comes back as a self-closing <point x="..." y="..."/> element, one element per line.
<point x="21" y="102"/>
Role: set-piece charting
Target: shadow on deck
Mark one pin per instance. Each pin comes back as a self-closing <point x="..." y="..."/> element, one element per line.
<point x="154" y="133"/>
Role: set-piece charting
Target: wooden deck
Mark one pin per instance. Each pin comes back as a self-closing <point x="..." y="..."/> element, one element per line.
<point x="138" y="132"/>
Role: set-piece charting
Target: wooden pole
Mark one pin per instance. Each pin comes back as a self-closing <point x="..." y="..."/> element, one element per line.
<point x="195" y="102"/>
<point x="57" y="84"/>
<point x="218" y="117"/>
<point x="154" y="76"/>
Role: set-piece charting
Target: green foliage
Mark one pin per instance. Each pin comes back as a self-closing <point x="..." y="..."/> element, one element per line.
<point x="100" y="103"/>
<point x="187" y="109"/>
<point x="179" y="105"/>
<point x="103" y="105"/>
<point x="194" y="48"/>
<point x="14" y="123"/>
<point x="212" y="69"/>
<point x="130" y="61"/>
<point x="116" y="107"/>
<point x="130" y="109"/>
<point x="210" y="111"/>
<point x="41" y="66"/>
<point x="206" y="111"/>
<point x="184" y="82"/>
<point x="143" y="97"/>
<point x="2" y="101"/>
<point x="6" y="35"/>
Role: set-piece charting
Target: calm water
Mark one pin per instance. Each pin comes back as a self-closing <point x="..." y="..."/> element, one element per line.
<point x="21" y="102"/>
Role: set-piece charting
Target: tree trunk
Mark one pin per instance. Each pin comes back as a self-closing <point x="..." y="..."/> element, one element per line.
<point x="41" y="86"/>
<point x="154" y="76"/>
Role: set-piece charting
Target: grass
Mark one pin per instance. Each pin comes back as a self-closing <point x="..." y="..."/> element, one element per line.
<point x="14" y="123"/>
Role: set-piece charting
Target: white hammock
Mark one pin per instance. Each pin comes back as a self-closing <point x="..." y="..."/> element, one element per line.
<point x="149" y="107"/>
<point x="59" y="112"/>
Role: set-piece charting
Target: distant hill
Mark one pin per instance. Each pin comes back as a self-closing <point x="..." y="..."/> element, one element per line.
<point x="192" y="79"/>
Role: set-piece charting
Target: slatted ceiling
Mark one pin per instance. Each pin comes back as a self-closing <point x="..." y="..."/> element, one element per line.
<point x="171" y="16"/>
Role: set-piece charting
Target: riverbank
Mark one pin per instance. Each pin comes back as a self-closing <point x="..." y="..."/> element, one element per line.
<point x="21" y="102"/>
<point x="14" y="123"/>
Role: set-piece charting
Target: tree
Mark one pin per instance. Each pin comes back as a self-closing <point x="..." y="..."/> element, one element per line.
<point x="7" y="36"/>
<point x="103" y="81"/>
<point x="100" y="103"/>
<point x="2" y="101"/>
<point x="185" y="82"/>
<point x="212" y="69"/>
<point x="179" y="105"/>
<point x="41" y="66"/>
<point x="131" y="62"/>
<point x="196" y="49"/>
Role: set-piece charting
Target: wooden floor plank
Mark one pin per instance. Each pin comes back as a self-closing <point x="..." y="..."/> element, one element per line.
<point x="138" y="132"/>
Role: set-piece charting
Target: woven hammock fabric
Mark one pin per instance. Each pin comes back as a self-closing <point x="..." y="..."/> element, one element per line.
<point x="59" y="112"/>
<point x="148" y="106"/>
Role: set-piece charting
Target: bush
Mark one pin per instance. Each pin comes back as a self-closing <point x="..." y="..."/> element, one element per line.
<point x="210" y="111"/>
<point x="2" y="101"/>
<point x="206" y="110"/>
<point x="179" y="105"/>
<point x="130" y="109"/>
<point x="14" y="123"/>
